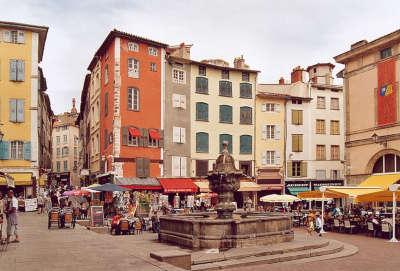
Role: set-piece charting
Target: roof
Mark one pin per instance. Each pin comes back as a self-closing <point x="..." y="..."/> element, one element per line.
<point x="41" y="30"/>
<point x="83" y="97"/>
<point x="320" y="64"/>
<point x="222" y="67"/>
<point x="65" y="119"/>
<point x="379" y="43"/>
<point x="116" y="33"/>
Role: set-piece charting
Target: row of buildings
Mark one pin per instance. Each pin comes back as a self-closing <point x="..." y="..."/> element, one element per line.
<point x="148" y="110"/>
<point x="26" y="117"/>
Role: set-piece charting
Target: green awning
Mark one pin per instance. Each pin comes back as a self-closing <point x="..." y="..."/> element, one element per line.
<point x="294" y="190"/>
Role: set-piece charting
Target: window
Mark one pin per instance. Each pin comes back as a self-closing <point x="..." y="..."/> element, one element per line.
<point x="270" y="132"/>
<point x="178" y="166"/>
<point x="225" y="113"/>
<point x="17" y="110"/>
<point x="202" y="142"/>
<point x="106" y="74"/>
<point x="133" y="99"/>
<point x="202" y="70"/>
<point x="14" y="36"/>
<point x="201" y="168"/>
<point x="201" y="111"/>
<point x="225" y="88"/>
<point x="335" y="174"/>
<point x="246" y="90"/>
<point x="179" y="101"/>
<point x="133" y="47"/>
<point x="178" y="76"/>
<point x="153" y="67"/>
<point x="58" y="140"/>
<point x="320" y="152"/>
<point x="64" y="151"/>
<point x="17" y="150"/>
<point x="152" y="51"/>
<point x="227" y="138"/>
<point x="297" y="117"/>
<point x="64" y="128"/>
<point x="65" y="165"/>
<point x="297" y="142"/>
<point x="58" y="152"/>
<point x="320" y="174"/>
<point x="270" y="157"/>
<point x="153" y="142"/>
<point x="335" y="130"/>
<point x="297" y="101"/>
<point x="245" y="144"/>
<point x="246" y="115"/>
<point x="202" y="85"/>
<point x="106" y="103"/>
<point x="58" y="166"/>
<point x="133" y="68"/>
<point x="270" y="107"/>
<point x="65" y="138"/>
<point x="245" y="167"/>
<point x="142" y="167"/>
<point x="17" y="70"/>
<point x="334" y="103"/>
<point x="386" y="53"/>
<point x="320" y="102"/>
<point x="133" y="140"/>
<point x="225" y="74"/>
<point x="335" y="152"/>
<point x="245" y="76"/>
<point x="296" y="169"/>
<point x="178" y="135"/>
<point x="320" y="127"/>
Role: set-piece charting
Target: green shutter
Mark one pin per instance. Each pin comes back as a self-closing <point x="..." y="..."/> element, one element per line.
<point x="145" y="137"/>
<point x="202" y="111"/>
<point x="4" y="150"/>
<point x="289" y="169"/>
<point x="124" y="136"/>
<point x="225" y="113"/>
<point x="245" y="144"/>
<point x="246" y="115"/>
<point x="228" y="138"/>
<point x="27" y="150"/>
<point x="20" y="70"/>
<point x="161" y="140"/>
<point x="202" y="142"/>
<point x="202" y="85"/>
<point x="139" y="167"/>
<point x="13" y="110"/>
<point x="245" y="90"/>
<point x="13" y="70"/>
<point x="225" y="88"/>
<point x="20" y="110"/>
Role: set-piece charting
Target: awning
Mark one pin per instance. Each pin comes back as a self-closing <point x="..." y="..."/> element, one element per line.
<point x="203" y="186"/>
<point x="43" y="180"/>
<point x="353" y="192"/>
<point x="383" y="180"/>
<point x="178" y="185"/>
<point x="269" y="175"/>
<point x="133" y="131"/>
<point x="309" y="195"/>
<point x="249" y="187"/>
<point x="139" y="183"/>
<point x="22" y="178"/>
<point x="271" y="187"/>
<point x="381" y="196"/>
<point x="154" y="134"/>
<point x="294" y="190"/>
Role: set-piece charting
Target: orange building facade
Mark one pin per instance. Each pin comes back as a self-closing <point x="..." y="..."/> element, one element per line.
<point x="131" y="135"/>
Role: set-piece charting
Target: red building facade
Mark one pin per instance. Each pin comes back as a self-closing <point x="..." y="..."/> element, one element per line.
<point x="131" y="136"/>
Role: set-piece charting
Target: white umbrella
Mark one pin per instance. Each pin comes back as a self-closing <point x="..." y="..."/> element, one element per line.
<point x="279" y="198"/>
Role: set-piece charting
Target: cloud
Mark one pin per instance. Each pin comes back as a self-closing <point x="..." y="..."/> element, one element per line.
<point x="273" y="36"/>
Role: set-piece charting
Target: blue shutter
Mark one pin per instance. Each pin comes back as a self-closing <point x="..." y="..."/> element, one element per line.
<point x="245" y="90"/>
<point x="202" y="142"/>
<point x="228" y="138"/>
<point x="225" y="113"/>
<point x="4" y="150"/>
<point x="27" y="150"/>
<point x="13" y="110"/>
<point x="20" y="110"/>
<point x="13" y="70"/>
<point x="245" y="144"/>
<point x="20" y="70"/>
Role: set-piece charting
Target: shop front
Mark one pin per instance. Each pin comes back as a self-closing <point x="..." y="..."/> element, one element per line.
<point x="270" y="181"/>
<point x="180" y="191"/>
<point x="295" y="187"/>
<point x="23" y="183"/>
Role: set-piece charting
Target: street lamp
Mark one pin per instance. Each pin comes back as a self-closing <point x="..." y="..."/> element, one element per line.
<point x="394" y="188"/>
<point x="1" y="136"/>
<point x="323" y="190"/>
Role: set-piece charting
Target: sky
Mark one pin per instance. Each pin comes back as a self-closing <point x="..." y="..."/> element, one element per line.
<point x="273" y="36"/>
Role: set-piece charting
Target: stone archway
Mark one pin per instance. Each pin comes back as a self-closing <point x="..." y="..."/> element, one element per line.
<point x="374" y="159"/>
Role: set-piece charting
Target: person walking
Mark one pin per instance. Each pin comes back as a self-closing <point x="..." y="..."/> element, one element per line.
<point x="40" y="204"/>
<point x="2" y="217"/>
<point x="12" y="218"/>
<point x="318" y="225"/>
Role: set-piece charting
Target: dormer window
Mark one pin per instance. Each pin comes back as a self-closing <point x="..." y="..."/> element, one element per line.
<point x="385" y="53"/>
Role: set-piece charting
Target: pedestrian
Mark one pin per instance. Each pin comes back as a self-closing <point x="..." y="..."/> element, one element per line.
<point x="310" y="223"/>
<point x="12" y="218"/>
<point x="2" y="216"/>
<point x="318" y="225"/>
<point x="40" y="203"/>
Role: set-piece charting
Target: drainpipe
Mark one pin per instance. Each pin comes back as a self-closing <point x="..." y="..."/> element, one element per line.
<point x="284" y="147"/>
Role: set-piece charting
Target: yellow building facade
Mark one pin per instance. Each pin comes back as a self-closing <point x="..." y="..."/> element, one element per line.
<point x="21" y="50"/>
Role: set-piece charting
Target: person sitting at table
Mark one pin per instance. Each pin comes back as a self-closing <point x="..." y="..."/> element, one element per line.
<point x="63" y="211"/>
<point x="138" y="226"/>
<point x="115" y="223"/>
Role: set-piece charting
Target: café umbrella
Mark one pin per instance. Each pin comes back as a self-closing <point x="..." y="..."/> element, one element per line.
<point x="279" y="198"/>
<point x="109" y="187"/>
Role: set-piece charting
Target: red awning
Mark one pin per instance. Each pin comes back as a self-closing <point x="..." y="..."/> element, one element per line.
<point x="135" y="132"/>
<point x="154" y="134"/>
<point x="142" y="187"/>
<point x="178" y="185"/>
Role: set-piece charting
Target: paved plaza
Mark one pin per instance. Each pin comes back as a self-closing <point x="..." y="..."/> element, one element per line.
<point x="79" y="249"/>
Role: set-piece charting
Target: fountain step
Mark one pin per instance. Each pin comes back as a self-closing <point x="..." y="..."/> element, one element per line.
<point x="333" y="248"/>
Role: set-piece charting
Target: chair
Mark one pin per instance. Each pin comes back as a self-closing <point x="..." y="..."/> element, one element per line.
<point x="68" y="220"/>
<point x="336" y="225"/>
<point x="54" y="217"/>
<point x="386" y="230"/>
<point x="348" y="227"/>
<point x="371" y="228"/>
<point x="124" y="226"/>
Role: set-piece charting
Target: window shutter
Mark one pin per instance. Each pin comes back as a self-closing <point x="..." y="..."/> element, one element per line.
<point x="7" y="36"/>
<point x="300" y="142"/>
<point x="146" y="167"/>
<point x="300" y="117"/>
<point x="264" y="158"/>
<point x="277" y="158"/>
<point x="183" y="101"/>
<point x="130" y="98"/>
<point x="13" y="110"/>
<point x="20" y="70"/>
<point x="145" y="136"/>
<point x="161" y="140"/>
<point x="105" y="138"/>
<point x="176" y="134"/>
<point x="183" y="166"/>
<point x="277" y="132"/>
<point x="289" y="169"/>
<point x="20" y="110"/>
<point x="264" y="132"/>
<point x="4" y="150"/>
<point x="277" y="108"/>
<point x="139" y="167"/>
<point x="303" y="169"/>
<point x="295" y="143"/>
<point x="175" y="166"/>
<point x="263" y="107"/>
<point x="183" y="135"/>
<point x="13" y="70"/>
<point x="175" y="100"/>
<point x="125" y="136"/>
<point x="21" y="37"/>
<point x="27" y="150"/>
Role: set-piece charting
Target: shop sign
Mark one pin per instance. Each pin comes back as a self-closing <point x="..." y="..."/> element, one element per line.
<point x="30" y="205"/>
<point x="96" y="216"/>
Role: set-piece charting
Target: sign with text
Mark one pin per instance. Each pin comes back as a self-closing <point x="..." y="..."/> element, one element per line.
<point x="30" y="205"/>
<point x="96" y="216"/>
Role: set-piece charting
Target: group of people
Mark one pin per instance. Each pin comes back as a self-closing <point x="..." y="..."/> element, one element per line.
<point x="9" y="217"/>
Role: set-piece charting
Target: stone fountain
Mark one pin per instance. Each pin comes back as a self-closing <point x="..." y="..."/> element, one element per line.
<point x="225" y="229"/>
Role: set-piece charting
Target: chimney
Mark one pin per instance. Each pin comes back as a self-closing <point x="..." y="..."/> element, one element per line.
<point x="239" y="63"/>
<point x="281" y="81"/>
<point x="297" y="75"/>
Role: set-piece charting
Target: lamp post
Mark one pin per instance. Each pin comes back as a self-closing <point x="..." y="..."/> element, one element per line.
<point x="1" y="136"/>
<point x="394" y="188"/>
<point x="323" y="190"/>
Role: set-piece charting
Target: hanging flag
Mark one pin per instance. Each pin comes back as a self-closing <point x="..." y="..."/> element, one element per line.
<point x="387" y="93"/>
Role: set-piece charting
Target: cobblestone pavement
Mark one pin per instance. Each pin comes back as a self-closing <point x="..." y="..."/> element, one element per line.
<point x="79" y="249"/>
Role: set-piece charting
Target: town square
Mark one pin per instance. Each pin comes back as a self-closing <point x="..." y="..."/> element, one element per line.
<point x="199" y="135"/>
